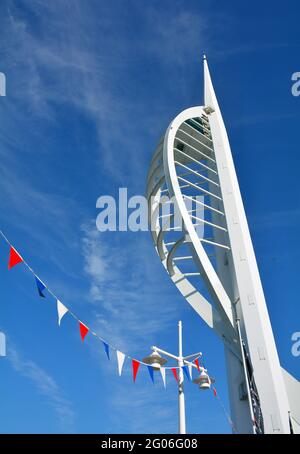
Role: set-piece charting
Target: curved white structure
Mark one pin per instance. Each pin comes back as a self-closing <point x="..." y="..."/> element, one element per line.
<point x="200" y="231"/>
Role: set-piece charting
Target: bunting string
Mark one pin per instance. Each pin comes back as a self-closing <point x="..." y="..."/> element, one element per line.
<point x="15" y="258"/>
<point x="227" y="416"/>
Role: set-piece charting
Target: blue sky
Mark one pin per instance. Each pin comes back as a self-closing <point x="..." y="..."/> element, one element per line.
<point x="91" y="86"/>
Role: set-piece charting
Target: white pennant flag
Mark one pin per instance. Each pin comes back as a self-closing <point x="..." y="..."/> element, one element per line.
<point x="121" y="359"/>
<point x="61" y="311"/>
<point x="163" y="375"/>
<point x="190" y="371"/>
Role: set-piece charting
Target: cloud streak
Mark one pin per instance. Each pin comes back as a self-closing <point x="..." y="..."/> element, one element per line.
<point x="73" y="62"/>
<point x="46" y="386"/>
<point x="124" y="288"/>
<point x="92" y="77"/>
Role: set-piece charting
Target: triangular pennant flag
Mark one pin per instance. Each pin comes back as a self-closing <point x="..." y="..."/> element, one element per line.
<point x="121" y="359"/>
<point x="215" y="392"/>
<point x="190" y="371"/>
<point x="40" y="286"/>
<point x="151" y="373"/>
<point x="197" y="364"/>
<point x="186" y="371"/>
<point x="14" y="258"/>
<point x="106" y="348"/>
<point x="61" y="311"/>
<point x="174" y="370"/>
<point x="163" y="375"/>
<point x="83" y="330"/>
<point x="135" y="368"/>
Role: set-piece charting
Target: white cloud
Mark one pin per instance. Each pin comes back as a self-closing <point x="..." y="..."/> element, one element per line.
<point x="163" y="418"/>
<point x="46" y="385"/>
<point x="131" y="309"/>
<point x="100" y="261"/>
<point x="182" y="35"/>
<point x="71" y="63"/>
<point x="125" y="288"/>
<point x="83" y="61"/>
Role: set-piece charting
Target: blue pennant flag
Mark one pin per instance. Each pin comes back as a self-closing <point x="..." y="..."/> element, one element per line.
<point x="186" y="371"/>
<point x="106" y="348"/>
<point x="40" y="286"/>
<point x="151" y="373"/>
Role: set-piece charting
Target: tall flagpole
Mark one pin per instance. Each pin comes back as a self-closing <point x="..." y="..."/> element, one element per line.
<point x="181" y="401"/>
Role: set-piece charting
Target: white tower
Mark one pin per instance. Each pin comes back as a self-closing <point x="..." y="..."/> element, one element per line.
<point x="201" y="234"/>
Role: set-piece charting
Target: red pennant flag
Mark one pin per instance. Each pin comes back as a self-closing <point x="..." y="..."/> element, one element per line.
<point x="215" y="392"/>
<point x="14" y="258"/>
<point x="197" y="364"/>
<point x="174" y="370"/>
<point x="83" y="330"/>
<point x="135" y="368"/>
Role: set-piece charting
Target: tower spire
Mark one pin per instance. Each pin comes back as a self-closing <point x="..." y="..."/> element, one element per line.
<point x="210" y="98"/>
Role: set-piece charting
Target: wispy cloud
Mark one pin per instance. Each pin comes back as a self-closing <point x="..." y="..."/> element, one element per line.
<point x="182" y="36"/>
<point x="100" y="262"/>
<point x="126" y="293"/>
<point x="46" y="385"/>
<point x="129" y="296"/>
<point x="59" y="67"/>
<point x="86" y="63"/>
<point x="162" y="419"/>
